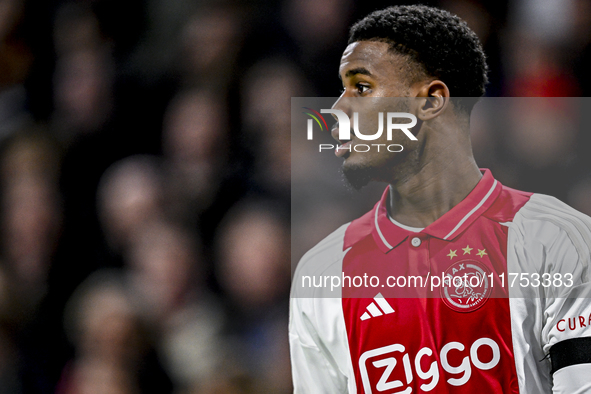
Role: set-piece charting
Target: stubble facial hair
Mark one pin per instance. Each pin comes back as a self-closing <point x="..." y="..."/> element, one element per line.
<point x="358" y="176"/>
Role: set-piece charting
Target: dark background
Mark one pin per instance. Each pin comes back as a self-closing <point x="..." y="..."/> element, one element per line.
<point x="145" y="175"/>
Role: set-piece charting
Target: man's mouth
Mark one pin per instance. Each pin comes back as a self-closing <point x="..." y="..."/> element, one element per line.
<point x="344" y="147"/>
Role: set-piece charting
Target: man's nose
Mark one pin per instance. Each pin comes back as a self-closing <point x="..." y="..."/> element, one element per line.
<point x="342" y="104"/>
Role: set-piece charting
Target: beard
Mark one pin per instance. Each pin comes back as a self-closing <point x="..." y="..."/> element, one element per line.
<point x="358" y="176"/>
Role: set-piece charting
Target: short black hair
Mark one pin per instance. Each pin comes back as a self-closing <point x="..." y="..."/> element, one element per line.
<point x="437" y="40"/>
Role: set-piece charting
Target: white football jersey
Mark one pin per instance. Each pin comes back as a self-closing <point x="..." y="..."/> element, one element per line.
<point x="473" y="303"/>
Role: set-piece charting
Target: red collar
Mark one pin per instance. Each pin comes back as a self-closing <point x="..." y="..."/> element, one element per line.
<point x="387" y="235"/>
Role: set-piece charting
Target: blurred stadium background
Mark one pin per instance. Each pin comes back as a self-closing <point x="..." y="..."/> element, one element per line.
<point x="145" y="176"/>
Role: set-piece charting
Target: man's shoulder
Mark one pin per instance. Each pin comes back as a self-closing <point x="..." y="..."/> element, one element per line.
<point x="324" y="254"/>
<point x="322" y="261"/>
<point x="333" y="247"/>
<point x="546" y="220"/>
<point x="507" y="204"/>
<point x="525" y="207"/>
<point x="548" y="209"/>
<point x="548" y="236"/>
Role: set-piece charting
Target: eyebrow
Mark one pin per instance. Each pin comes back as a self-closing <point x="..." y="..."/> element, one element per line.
<point x="358" y="70"/>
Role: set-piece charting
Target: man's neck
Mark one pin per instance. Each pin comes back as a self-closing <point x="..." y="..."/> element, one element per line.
<point x="438" y="185"/>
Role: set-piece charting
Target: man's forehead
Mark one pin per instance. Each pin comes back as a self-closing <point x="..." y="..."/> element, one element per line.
<point x="368" y="54"/>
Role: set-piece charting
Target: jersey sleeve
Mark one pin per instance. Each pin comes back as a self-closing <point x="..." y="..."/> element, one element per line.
<point x="565" y="237"/>
<point x="314" y="369"/>
<point x="320" y="357"/>
<point x="574" y="379"/>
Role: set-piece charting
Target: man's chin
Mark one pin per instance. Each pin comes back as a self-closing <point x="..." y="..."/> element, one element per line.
<point x="358" y="176"/>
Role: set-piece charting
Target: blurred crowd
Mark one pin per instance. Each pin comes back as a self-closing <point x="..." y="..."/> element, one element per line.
<point x="146" y="176"/>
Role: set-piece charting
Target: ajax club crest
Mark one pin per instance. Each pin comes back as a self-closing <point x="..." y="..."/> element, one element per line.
<point x="466" y="286"/>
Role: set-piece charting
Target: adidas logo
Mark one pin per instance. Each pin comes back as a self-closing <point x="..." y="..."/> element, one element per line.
<point x="374" y="310"/>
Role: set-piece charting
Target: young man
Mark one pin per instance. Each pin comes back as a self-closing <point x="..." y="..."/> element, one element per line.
<point x="440" y="218"/>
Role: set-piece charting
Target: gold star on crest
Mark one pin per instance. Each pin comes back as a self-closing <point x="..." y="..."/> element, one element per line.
<point x="481" y="252"/>
<point x="467" y="249"/>
<point x="452" y="254"/>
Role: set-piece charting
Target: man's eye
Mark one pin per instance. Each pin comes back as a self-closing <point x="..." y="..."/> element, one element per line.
<point x="361" y="88"/>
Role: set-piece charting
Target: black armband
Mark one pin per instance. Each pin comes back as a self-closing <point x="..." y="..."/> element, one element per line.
<point x="570" y="352"/>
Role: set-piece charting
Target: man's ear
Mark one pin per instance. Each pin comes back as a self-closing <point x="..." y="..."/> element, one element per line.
<point x="433" y="100"/>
